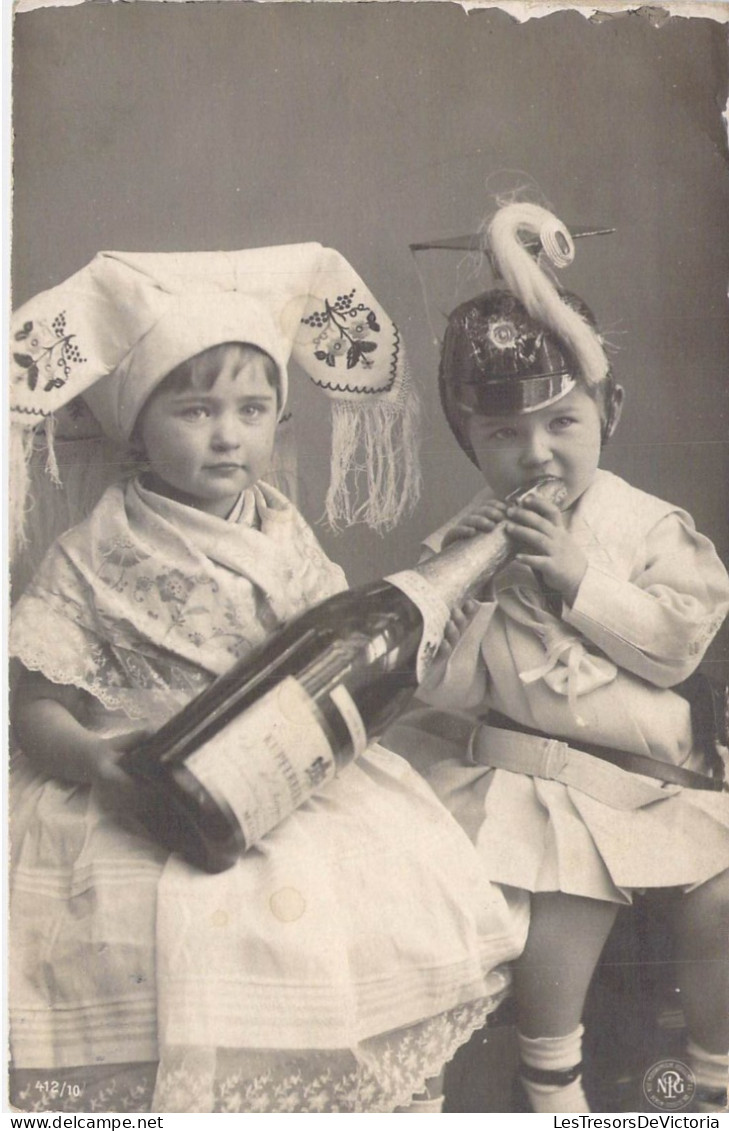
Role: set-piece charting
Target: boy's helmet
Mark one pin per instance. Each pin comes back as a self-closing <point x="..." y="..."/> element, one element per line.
<point x="525" y="344"/>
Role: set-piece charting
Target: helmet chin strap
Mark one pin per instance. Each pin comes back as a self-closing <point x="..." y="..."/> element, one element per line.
<point x="613" y="403"/>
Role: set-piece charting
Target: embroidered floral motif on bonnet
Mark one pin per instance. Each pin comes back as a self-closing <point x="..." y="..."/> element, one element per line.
<point x="118" y="326"/>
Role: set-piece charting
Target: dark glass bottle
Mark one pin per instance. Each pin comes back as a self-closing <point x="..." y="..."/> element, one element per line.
<point x="265" y="735"/>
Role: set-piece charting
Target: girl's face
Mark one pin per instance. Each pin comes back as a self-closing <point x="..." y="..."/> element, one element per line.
<point x="562" y="439"/>
<point x="204" y="446"/>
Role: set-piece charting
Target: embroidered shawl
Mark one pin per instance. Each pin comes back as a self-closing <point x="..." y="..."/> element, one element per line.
<point x="147" y="600"/>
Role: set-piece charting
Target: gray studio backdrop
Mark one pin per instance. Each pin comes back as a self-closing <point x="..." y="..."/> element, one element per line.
<point x="367" y="126"/>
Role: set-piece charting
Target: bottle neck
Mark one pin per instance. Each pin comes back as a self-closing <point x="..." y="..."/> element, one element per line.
<point x="463" y="566"/>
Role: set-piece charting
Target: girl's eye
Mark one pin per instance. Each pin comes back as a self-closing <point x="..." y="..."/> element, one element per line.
<point x="255" y="412"/>
<point x="503" y="434"/>
<point x="563" y="421"/>
<point x="194" y="412"/>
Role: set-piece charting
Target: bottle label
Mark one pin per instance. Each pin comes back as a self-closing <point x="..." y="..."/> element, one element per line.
<point x="434" y="611"/>
<point x="273" y="756"/>
<point x="349" y="711"/>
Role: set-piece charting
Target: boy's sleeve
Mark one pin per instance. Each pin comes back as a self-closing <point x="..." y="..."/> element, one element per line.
<point x="464" y="681"/>
<point x="433" y="544"/>
<point x="659" y="623"/>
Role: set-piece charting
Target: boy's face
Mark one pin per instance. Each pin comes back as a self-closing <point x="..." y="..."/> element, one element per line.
<point x="562" y="439"/>
<point x="204" y="446"/>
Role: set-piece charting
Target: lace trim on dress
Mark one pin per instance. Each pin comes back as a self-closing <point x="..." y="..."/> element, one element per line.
<point x="380" y="1074"/>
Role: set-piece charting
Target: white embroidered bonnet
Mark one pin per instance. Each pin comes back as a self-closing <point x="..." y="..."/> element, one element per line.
<point x="113" y="331"/>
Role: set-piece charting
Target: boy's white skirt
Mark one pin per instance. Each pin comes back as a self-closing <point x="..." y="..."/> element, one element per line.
<point x="539" y="834"/>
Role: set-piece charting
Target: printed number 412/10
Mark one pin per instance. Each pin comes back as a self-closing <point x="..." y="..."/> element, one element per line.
<point x="59" y="1088"/>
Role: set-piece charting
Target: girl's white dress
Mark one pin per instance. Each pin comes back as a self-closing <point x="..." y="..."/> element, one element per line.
<point x="602" y="671"/>
<point x="337" y="965"/>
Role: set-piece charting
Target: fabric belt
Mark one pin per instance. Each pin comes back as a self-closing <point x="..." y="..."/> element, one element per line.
<point x="633" y="763"/>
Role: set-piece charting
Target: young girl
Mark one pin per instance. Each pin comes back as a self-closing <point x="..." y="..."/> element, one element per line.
<point x="585" y="782"/>
<point x="338" y="965"/>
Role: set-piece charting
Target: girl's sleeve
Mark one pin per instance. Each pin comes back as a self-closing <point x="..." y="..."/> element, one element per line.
<point x="52" y="631"/>
<point x="659" y="623"/>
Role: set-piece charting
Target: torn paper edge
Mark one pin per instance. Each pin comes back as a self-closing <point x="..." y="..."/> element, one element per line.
<point x="521" y="10"/>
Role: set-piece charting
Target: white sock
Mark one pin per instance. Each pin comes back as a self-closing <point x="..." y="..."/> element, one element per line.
<point x="560" y="1056"/>
<point x="711" y="1071"/>
<point x="421" y="1106"/>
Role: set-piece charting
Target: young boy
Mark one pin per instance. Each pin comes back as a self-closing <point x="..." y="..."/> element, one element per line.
<point x="584" y="781"/>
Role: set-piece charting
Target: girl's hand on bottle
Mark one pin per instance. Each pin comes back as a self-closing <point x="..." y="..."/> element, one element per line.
<point x="548" y="547"/>
<point x="459" y="621"/>
<point x="114" y="788"/>
<point x="481" y="521"/>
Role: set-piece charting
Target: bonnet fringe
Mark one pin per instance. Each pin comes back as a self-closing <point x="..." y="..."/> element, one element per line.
<point x="375" y="471"/>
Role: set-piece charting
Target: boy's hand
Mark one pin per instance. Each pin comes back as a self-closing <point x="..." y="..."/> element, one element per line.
<point x="480" y="521"/>
<point x="460" y="619"/>
<point x="538" y="526"/>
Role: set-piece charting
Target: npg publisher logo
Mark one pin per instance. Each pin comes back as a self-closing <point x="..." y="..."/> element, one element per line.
<point x="669" y="1085"/>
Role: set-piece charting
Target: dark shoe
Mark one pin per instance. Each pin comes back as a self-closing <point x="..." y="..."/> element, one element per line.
<point x="710" y="1100"/>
